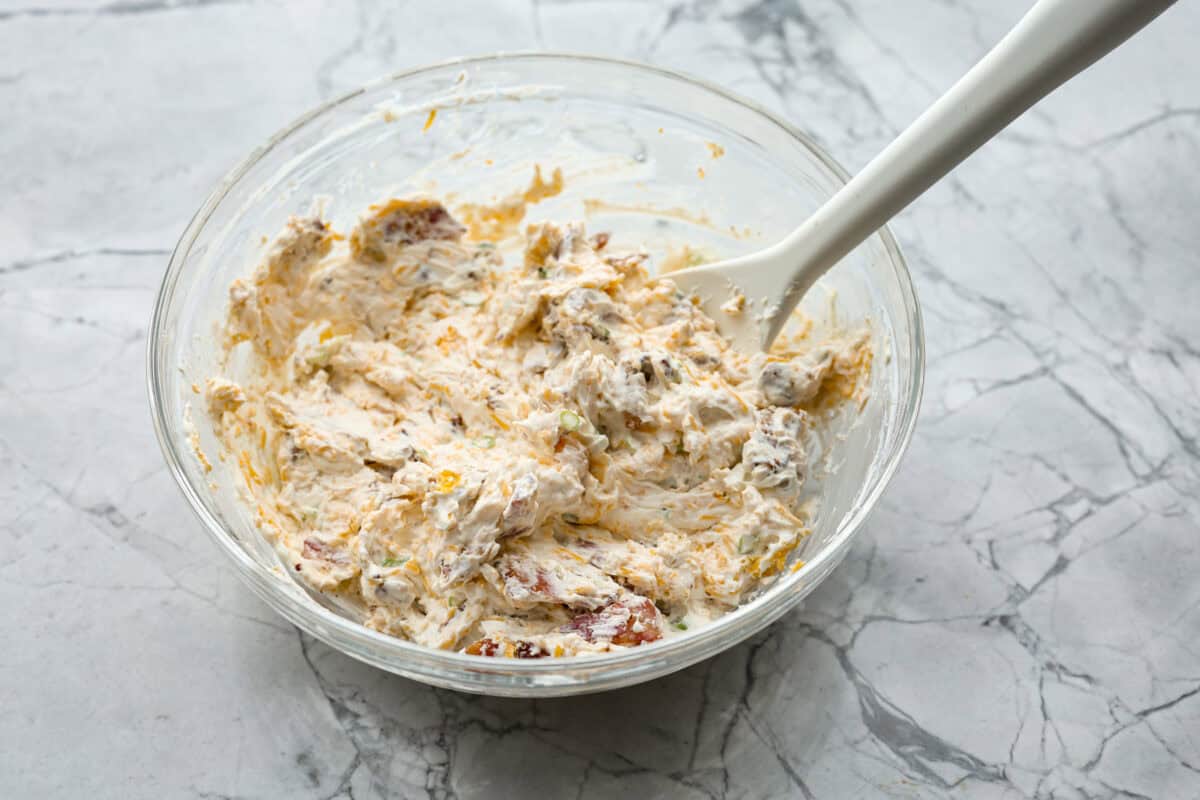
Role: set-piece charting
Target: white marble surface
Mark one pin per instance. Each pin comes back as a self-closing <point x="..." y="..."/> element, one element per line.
<point x="1022" y="617"/>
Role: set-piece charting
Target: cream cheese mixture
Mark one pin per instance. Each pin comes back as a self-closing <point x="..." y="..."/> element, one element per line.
<point x="558" y="458"/>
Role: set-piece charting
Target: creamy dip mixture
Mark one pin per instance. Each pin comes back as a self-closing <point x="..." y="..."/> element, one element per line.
<point x="556" y="458"/>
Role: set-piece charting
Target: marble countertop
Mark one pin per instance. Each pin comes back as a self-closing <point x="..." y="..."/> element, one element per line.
<point x="1021" y="618"/>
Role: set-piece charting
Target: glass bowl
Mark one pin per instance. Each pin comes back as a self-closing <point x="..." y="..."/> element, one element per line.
<point x="650" y="155"/>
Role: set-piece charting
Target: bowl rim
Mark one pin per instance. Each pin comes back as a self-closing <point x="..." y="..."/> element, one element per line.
<point x="757" y="614"/>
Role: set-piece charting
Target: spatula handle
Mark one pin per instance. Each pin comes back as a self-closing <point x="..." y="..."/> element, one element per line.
<point x="1053" y="42"/>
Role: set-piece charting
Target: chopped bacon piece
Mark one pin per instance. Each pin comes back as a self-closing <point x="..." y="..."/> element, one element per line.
<point x="523" y="580"/>
<point x="317" y="550"/>
<point x="774" y="455"/>
<point x="521" y="649"/>
<point x="484" y="647"/>
<point x="627" y="622"/>
<point x="625" y="264"/>
<point x="530" y="650"/>
<point x="521" y="511"/>
<point x="555" y="580"/>
<point x="399" y="223"/>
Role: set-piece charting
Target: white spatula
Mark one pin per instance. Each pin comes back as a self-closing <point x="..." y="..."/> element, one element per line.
<point x="1053" y="42"/>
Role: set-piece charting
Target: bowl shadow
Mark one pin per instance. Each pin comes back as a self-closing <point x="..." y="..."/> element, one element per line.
<point x="745" y="723"/>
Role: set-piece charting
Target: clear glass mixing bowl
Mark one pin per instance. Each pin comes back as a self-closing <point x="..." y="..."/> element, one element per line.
<point x="652" y="156"/>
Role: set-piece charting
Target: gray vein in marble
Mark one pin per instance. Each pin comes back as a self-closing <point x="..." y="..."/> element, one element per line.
<point x="130" y="7"/>
<point x="21" y="265"/>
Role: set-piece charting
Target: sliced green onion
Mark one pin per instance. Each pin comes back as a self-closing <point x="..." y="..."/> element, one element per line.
<point x="746" y="544"/>
<point x="485" y="442"/>
<point x="542" y="272"/>
<point x="486" y="246"/>
<point x="395" y="562"/>
<point x="679" y="625"/>
<point x="569" y="420"/>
